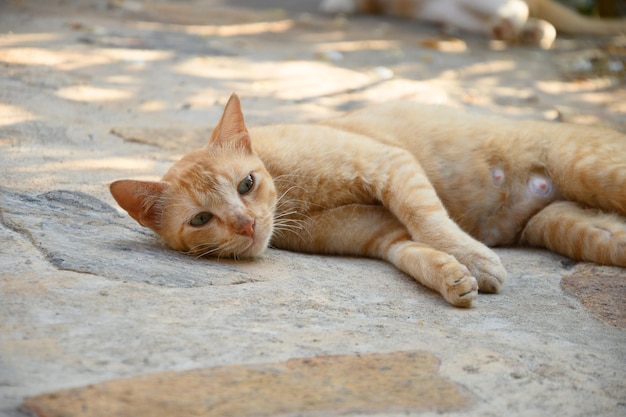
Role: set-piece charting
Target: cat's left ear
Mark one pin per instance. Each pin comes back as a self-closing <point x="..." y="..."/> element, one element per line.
<point x="231" y="128"/>
<point x="139" y="199"/>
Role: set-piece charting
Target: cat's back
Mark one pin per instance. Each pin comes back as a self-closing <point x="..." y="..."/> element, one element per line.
<point x="431" y="130"/>
<point x="406" y="122"/>
<point x="301" y="145"/>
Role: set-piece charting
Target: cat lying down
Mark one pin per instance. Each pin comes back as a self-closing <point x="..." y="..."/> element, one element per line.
<point x="533" y="22"/>
<point x="416" y="185"/>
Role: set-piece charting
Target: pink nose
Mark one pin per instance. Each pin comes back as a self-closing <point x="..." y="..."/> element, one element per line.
<point x="246" y="228"/>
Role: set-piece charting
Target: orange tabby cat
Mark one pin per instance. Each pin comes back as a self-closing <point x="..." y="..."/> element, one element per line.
<point x="527" y="21"/>
<point x="372" y="184"/>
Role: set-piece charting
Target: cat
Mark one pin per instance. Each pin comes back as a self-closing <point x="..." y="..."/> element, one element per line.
<point x="516" y="21"/>
<point x="403" y="182"/>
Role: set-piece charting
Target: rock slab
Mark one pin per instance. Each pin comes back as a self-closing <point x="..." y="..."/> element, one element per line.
<point x="320" y="385"/>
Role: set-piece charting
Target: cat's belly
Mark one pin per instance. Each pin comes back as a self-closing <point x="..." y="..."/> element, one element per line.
<point x="501" y="221"/>
<point x="501" y="230"/>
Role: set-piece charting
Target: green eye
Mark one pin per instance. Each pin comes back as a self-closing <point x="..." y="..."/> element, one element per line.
<point x="200" y="219"/>
<point x="246" y="185"/>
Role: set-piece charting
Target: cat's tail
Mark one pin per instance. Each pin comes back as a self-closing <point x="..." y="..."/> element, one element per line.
<point x="566" y="20"/>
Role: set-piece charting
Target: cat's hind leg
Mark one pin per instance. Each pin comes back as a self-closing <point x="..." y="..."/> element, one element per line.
<point x="372" y="231"/>
<point x="579" y="233"/>
<point x="587" y="164"/>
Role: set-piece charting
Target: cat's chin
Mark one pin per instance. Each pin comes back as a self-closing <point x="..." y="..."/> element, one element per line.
<point x="256" y="248"/>
<point x="250" y="254"/>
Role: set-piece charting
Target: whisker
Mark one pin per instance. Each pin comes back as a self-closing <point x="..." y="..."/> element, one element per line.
<point x="278" y="216"/>
<point x="291" y="225"/>
<point x="291" y="222"/>
<point x="219" y="251"/>
<point x="203" y="250"/>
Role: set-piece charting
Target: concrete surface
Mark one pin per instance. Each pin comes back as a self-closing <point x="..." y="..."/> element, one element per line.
<point x="91" y="92"/>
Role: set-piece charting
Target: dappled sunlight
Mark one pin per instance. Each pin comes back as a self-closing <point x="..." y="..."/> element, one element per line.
<point x="153" y="106"/>
<point x="63" y="60"/>
<point x="64" y="167"/>
<point x="12" y="39"/>
<point x="560" y="87"/>
<point x="491" y="67"/>
<point x="203" y="99"/>
<point x="351" y="46"/>
<point x="135" y="55"/>
<point x="92" y="164"/>
<point x="122" y="79"/>
<point x="215" y="67"/>
<point x="301" y="80"/>
<point x="221" y="30"/>
<point x="297" y="79"/>
<point x="69" y="60"/>
<point x="10" y="115"/>
<point x="121" y="164"/>
<point x="86" y="93"/>
<point x="424" y="92"/>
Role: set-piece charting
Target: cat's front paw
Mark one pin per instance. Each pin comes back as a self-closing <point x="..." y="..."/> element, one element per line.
<point x="488" y="270"/>
<point x="459" y="287"/>
<point x="482" y="262"/>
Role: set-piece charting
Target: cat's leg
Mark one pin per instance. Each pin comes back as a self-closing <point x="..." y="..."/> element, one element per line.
<point x="582" y="234"/>
<point x="454" y="15"/>
<point x="365" y="230"/>
<point x="502" y="19"/>
<point x="399" y="182"/>
<point x="588" y="165"/>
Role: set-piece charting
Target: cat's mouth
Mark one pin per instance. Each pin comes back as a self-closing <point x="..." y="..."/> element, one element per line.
<point x="258" y="242"/>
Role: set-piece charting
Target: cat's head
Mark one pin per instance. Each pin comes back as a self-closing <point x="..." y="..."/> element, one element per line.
<point x="218" y="200"/>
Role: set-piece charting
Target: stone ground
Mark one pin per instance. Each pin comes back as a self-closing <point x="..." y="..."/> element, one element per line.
<point x="93" y="91"/>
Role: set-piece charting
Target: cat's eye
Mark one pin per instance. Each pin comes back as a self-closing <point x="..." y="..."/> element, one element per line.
<point x="246" y="185"/>
<point x="200" y="219"/>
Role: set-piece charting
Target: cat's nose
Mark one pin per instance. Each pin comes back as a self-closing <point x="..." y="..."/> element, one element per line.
<point x="246" y="227"/>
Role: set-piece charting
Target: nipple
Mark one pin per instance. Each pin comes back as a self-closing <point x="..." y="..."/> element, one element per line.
<point x="497" y="176"/>
<point x="540" y="186"/>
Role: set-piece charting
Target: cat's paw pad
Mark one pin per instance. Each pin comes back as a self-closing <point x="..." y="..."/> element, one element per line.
<point x="338" y="6"/>
<point x="459" y="287"/>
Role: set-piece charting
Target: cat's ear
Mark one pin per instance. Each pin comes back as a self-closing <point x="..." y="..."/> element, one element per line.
<point x="139" y="199"/>
<point x="231" y="128"/>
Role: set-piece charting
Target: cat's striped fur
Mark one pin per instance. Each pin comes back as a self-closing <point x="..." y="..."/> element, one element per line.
<point x="375" y="182"/>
